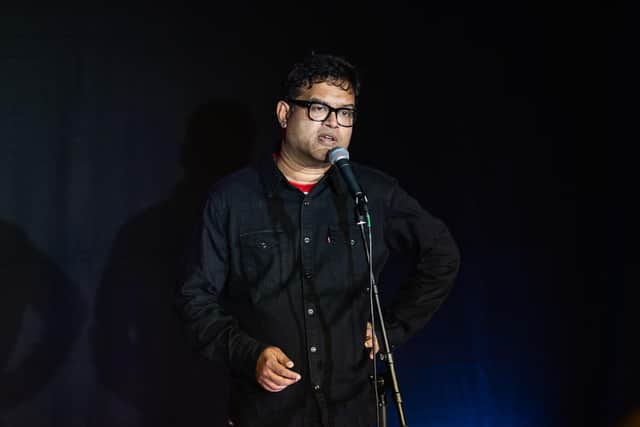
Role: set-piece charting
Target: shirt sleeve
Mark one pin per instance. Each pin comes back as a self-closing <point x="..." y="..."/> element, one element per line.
<point x="212" y="331"/>
<point x="435" y="259"/>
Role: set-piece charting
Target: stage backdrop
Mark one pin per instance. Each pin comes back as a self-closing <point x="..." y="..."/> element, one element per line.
<point x="114" y="122"/>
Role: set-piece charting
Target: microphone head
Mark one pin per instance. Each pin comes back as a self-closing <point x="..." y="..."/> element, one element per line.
<point x="337" y="153"/>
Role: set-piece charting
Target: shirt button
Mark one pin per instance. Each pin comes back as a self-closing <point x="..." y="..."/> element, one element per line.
<point x="313" y="349"/>
<point x="310" y="311"/>
<point x="316" y="387"/>
<point x="307" y="239"/>
<point x="306" y="203"/>
<point x="308" y="275"/>
<point x="352" y="242"/>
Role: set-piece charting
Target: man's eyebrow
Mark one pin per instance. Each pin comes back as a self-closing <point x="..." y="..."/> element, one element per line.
<point x="320" y="101"/>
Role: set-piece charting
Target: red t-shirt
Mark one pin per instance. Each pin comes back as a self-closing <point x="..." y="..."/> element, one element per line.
<point x="305" y="188"/>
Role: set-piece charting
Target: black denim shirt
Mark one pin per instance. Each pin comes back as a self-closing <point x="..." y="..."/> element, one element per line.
<point x="277" y="267"/>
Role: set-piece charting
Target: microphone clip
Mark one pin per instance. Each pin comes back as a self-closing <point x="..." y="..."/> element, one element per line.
<point x="361" y="209"/>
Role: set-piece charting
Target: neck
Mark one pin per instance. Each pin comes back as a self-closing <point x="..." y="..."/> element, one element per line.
<point x="297" y="172"/>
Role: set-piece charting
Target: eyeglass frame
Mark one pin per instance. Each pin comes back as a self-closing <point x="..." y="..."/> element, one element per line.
<point x="306" y="103"/>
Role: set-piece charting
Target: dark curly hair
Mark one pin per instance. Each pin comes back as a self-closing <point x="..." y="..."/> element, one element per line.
<point x="319" y="68"/>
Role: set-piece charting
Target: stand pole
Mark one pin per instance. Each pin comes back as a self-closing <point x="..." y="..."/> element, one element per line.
<point x="363" y="221"/>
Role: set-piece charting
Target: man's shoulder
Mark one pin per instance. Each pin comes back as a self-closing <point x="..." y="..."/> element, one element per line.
<point x="373" y="175"/>
<point x="242" y="182"/>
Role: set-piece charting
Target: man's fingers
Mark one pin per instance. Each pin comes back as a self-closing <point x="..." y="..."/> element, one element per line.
<point x="269" y="386"/>
<point x="283" y="372"/>
<point x="272" y="381"/>
<point x="282" y="363"/>
<point x="371" y="341"/>
<point x="284" y="360"/>
<point x="371" y="352"/>
<point x="278" y="381"/>
<point x="271" y="371"/>
<point x="273" y="384"/>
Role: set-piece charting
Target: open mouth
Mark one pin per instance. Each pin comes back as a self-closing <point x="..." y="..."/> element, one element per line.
<point x="328" y="139"/>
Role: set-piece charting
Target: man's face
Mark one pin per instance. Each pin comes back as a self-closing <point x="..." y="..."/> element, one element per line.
<point x="308" y="141"/>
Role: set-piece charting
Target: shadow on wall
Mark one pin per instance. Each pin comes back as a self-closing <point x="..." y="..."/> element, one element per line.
<point x="42" y="315"/>
<point x="140" y="351"/>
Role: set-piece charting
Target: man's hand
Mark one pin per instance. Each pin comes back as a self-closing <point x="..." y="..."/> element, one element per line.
<point x="370" y="341"/>
<point x="271" y="370"/>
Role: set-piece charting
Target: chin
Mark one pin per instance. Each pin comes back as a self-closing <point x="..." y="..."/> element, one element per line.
<point x="321" y="161"/>
<point x="314" y="160"/>
<point x="318" y="153"/>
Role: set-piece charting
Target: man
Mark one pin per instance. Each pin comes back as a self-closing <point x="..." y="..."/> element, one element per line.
<point x="279" y="289"/>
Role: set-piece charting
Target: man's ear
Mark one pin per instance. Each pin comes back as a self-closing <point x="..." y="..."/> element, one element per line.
<point x="282" y="113"/>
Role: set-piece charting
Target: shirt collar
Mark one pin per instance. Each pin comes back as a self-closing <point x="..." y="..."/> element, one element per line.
<point x="273" y="178"/>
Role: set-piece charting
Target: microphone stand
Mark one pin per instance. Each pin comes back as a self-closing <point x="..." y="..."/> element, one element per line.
<point x="363" y="220"/>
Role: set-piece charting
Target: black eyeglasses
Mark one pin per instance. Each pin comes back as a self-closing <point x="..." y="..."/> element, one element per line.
<point x="319" y="112"/>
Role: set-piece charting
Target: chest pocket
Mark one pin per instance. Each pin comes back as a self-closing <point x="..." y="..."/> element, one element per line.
<point x="263" y="257"/>
<point x="344" y="243"/>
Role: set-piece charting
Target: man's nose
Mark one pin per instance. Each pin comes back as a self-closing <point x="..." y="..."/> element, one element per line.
<point x="332" y="119"/>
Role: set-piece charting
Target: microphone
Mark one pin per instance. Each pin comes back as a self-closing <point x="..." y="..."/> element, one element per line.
<point x="339" y="157"/>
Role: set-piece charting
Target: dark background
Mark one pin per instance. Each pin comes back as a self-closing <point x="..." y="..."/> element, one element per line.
<point x="501" y="118"/>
